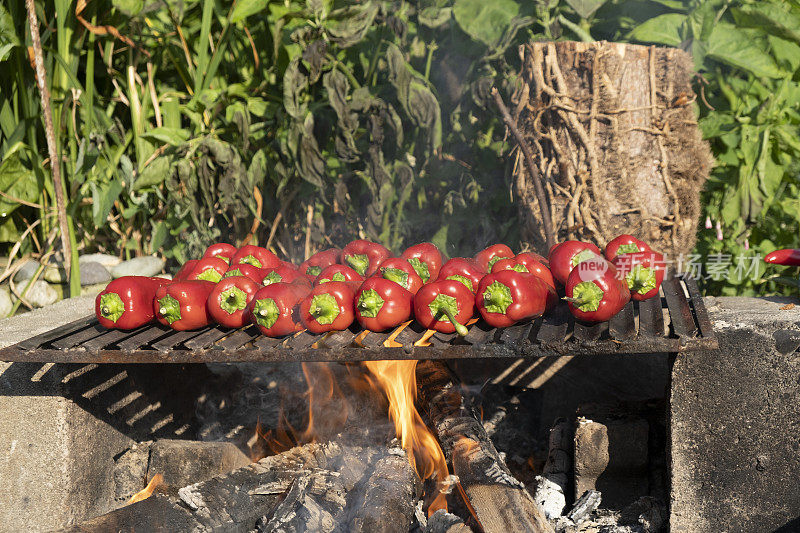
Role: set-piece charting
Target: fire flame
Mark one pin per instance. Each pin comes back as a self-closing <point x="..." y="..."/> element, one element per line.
<point x="148" y="490"/>
<point x="398" y="381"/>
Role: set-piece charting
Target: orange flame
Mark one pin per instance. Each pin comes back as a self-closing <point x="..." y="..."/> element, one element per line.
<point x="398" y="381"/>
<point x="327" y="411"/>
<point x="148" y="490"/>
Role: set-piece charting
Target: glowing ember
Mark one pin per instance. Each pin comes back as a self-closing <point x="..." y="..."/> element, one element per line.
<point x="148" y="490"/>
<point x="398" y="381"/>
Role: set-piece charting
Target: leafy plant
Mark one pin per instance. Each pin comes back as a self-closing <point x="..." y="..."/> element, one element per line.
<point x="299" y="124"/>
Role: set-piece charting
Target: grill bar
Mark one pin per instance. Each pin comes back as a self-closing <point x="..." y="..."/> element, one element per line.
<point x="84" y="341"/>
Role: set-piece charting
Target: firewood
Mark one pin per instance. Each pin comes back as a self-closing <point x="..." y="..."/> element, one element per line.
<point x="497" y="499"/>
<point x="443" y="522"/>
<point x="314" y="487"/>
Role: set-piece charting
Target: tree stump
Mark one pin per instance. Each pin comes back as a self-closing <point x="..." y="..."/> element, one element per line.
<point x="615" y="136"/>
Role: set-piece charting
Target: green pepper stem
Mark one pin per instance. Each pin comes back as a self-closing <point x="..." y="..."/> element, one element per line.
<point x="460" y="328"/>
<point x="358" y="262"/>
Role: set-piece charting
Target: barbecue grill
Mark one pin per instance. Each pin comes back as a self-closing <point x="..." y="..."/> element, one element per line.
<point x="675" y="322"/>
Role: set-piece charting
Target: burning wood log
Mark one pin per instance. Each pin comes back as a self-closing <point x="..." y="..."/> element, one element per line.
<point x="496" y="499"/>
<point x="616" y="142"/>
<point x="316" y="487"/>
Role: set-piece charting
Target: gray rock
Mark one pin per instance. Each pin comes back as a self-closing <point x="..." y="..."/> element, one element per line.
<point x="55" y="274"/>
<point x="93" y="290"/>
<point x="106" y="260"/>
<point x="93" y="273"/>
<point x="5" y="301"/>
<point x="41" y="294"/>
<point x="147" y="265"/>
<point x="27" y="271"/>
<point x="164" y="276"/>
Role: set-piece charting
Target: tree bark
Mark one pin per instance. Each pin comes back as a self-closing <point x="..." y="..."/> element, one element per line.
<point x="616" y="141"/>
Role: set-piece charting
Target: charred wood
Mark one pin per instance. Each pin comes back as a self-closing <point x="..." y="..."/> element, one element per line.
<point x="443" y="522"/>
<point x="497" y="499"/>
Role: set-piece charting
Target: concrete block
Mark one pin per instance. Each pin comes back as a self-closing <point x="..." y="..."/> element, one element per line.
<point x="734" y="423"/>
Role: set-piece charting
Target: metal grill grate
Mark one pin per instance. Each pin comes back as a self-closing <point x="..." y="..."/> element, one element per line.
<point x="640" y="328"/>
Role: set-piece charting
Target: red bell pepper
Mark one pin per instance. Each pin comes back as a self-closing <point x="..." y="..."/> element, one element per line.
<point x="256" y="256"/>
<point x="274" y="308"/>
<point x="595" y="292"/>
<point x="227" y="303"/>
<point x="329" y="307"/>
<point x="182" y="305"/>
<point x="787" y="256"/>
<point x="338" y="273"/>
<point x="381" y="304"/>
<point x="568" y="254"/>
<point x="462" y="269"/>
<point x="400" y="271"/>
<point x="284" y="274"/>
<point x="221" y="250"/>
<point x="507" y="297"/>
<point x="185" y="270"/>
<point x="314" y="264"/>
<point x="209" y="269"/>
<point x="487" y="257"/>
<point x="642" y="271"/>
<point x="444" y="305"/>
<point x="365" y="256"/>
<point x="127" y="302"/>
<point x="426" y="260"/>
<point x="527" y="262"/>
<point x="624" y="244"/>
<point x="248" y="271"/>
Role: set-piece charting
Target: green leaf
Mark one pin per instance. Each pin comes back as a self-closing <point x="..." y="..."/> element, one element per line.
<point x="8" y="230"/>
<point x="103" y="198"/>
<point x="771" y="17"/>
<point x="8" y="34"/>
<point x="486" y="22"/>
<point x="171" y="136"/>
<point x="129" y="7"/>
<point x="434" y="16"/>
<point x="18" y="181"/>
<point x="153" y="174"/>
<point x="585" y="8"/>
<point x="347" y="26"/>
<point x="158" y="236"/>
<point x="663" y="29"/>
<point x="244" y="8"/>
<point x="738" y="48"/>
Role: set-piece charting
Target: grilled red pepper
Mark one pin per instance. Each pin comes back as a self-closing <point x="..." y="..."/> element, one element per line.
<point x="787" y="256"/>
<point x="284" y="274"/>
<point x="127" y="302"/>
<point x="338" y="273"/>
<point x="595" y="292"/>
<point x="329" y="307"/>
<point x="566" y="255"/>
<point x="381" y="304"/>
<point x="507" y="297"/>
<point x="487" y="257"/>
<point x="209" y="269"/>
<point x="227" y="303"/>
<point x="221" y="250"/>
<point x="464" y="270"/>
<point x="365" y="256"/>
<point x="182" y="305"/>
<point x="642" y="271"/>
<point x="185" y="270"/>
<point x="256" y="256"/>
<point x="248" y="271"/>
<point x="426" y="260"/>
<point x="624" y="244"/>
<point x="527" y="262"/>
<point x="400" y="271"/>
<point x="314" y="264"/>
<point x="274" y="308"/>
<point x="444" y="305"/>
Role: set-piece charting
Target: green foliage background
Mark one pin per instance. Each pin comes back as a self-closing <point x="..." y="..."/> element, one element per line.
<point x="368" y="118"/>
